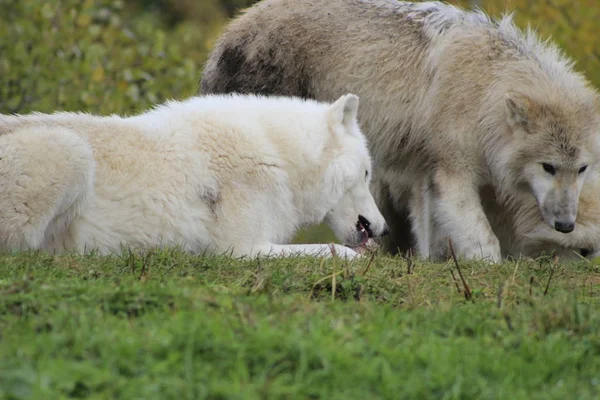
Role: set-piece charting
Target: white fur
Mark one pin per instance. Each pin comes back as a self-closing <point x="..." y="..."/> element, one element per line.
<point x="235" y="174"/>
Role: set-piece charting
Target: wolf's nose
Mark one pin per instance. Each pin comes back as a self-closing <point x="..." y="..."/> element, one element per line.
<point x="564" y="227"/>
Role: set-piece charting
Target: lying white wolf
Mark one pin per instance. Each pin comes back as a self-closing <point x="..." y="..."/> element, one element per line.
<point x="225" y="173"/>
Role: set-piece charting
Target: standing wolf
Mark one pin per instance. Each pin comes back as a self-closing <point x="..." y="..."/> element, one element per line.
<point x="454" y="105"/>
<point x="215" y="173"/>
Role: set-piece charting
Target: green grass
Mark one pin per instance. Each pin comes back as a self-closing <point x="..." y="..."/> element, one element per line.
<point x="172" y="326"/>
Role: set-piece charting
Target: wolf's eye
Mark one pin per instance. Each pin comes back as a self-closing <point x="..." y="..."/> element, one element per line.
<point x="366" y="174"/>
<point x="582" y="169"/>
<point x="549" y="168"/>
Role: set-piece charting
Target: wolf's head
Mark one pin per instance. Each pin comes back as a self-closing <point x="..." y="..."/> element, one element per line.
<point x="355" y="217"/>
<point x="559" y="148"/>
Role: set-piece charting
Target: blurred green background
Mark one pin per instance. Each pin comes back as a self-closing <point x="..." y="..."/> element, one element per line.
<point x="117" y="56"/>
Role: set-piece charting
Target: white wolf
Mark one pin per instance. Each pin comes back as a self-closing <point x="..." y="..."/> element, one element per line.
<point x="450" y="100"/>
<point x="232" y="174"/>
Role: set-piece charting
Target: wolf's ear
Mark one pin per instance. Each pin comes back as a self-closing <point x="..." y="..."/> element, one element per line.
<point x="344" y="110"/>
<point x="518" y="108"/>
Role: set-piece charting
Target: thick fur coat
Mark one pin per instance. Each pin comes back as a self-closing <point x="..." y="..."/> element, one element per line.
<point x="235" y="174"/>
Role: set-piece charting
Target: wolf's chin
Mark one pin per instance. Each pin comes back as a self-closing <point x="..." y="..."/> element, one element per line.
<point x="359" y="238"/>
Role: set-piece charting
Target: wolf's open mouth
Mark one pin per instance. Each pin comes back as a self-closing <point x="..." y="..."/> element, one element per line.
<point x="364" y="236"/>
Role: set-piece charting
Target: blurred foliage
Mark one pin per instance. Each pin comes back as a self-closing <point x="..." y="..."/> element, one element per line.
<point x="209" y="11"/>
<point x="118" y="56"/>
<point x="103" y="56"/>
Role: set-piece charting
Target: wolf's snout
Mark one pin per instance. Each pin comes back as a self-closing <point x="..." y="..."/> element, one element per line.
<point x="564" y="227"/>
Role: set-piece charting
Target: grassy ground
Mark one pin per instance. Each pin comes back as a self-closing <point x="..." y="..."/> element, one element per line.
<point x="171" y="326"/>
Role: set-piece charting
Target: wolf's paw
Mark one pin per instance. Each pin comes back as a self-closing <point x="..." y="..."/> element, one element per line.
<point x="343" y="251"/>
<point x="487" y="252"/>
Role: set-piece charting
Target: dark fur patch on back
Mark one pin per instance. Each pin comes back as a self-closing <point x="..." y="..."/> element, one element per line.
<point x="262" y="74"/>
<point x="232" y="60"/>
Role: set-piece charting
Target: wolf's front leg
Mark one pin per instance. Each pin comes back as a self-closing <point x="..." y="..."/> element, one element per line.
<point x="318" y="250"/>
<point x="457" y="210"/>
<point x="421" y="217"/>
